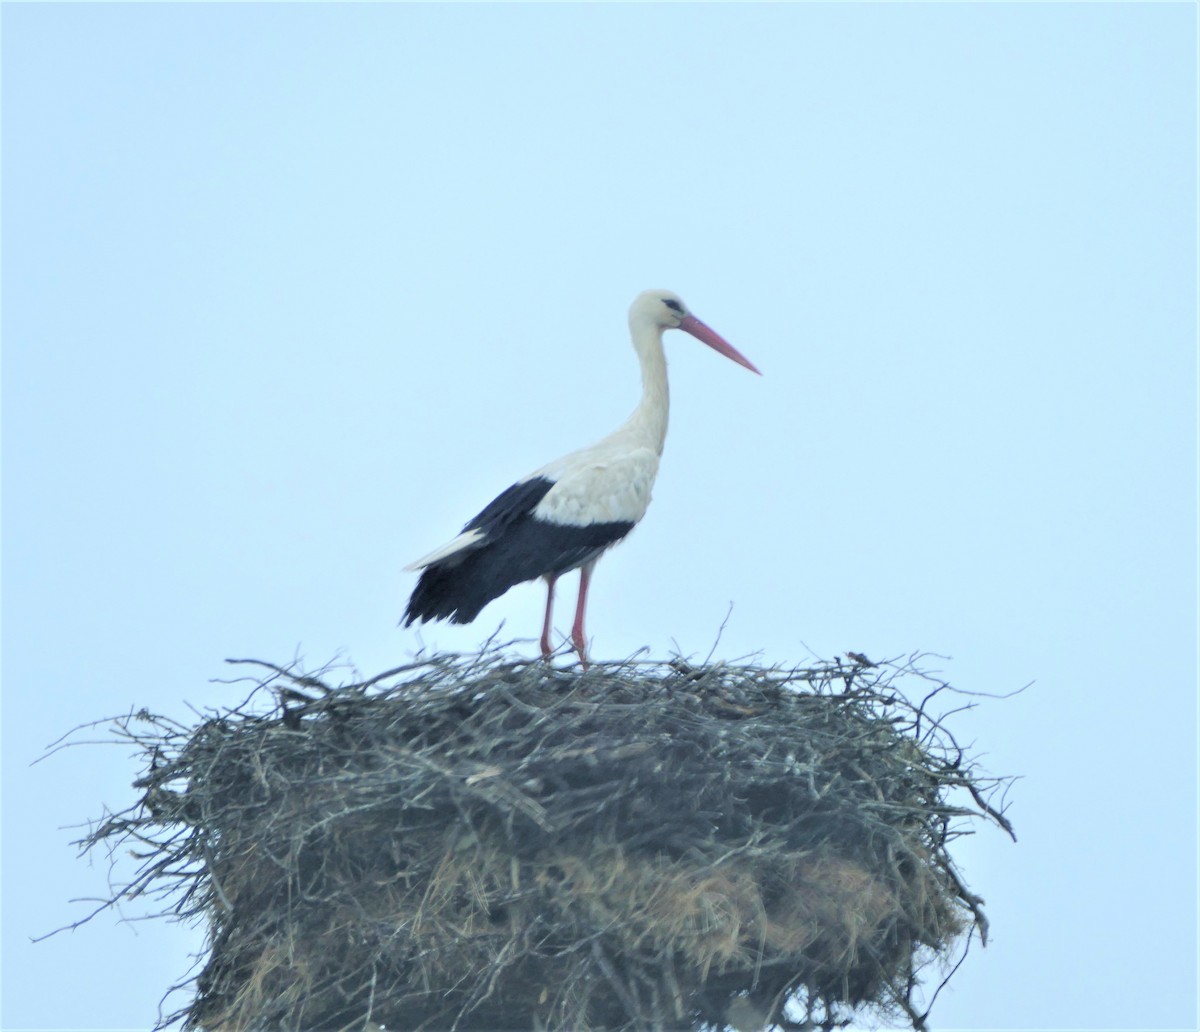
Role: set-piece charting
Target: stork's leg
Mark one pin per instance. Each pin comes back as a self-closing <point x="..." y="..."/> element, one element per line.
<point x="547" y="651"/>
<point x="577" y="634"/>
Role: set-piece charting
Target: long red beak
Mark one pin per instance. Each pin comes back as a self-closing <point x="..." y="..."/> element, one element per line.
<point x="690" y="324"/>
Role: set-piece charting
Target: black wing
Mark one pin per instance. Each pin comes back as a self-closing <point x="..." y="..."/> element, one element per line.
<point x="516" y="546"/>
<point x="510" y="505"/>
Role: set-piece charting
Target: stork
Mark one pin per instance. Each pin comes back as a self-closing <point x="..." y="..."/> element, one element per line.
<point x="564" y="516"/>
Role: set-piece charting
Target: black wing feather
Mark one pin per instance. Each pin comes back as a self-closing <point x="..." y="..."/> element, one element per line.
<point x="510" y="504"/>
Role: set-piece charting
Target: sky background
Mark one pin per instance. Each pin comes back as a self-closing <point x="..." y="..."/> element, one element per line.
<point x="290" y="292"/>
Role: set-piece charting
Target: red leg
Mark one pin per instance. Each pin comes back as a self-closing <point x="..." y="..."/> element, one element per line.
<point x="577" y="635"/>
<point x="547" y="651"/>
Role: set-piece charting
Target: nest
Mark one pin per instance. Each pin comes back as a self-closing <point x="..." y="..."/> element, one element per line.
<point x="473" y="842"/>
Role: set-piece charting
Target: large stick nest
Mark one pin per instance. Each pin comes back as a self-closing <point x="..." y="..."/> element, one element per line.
<point x="476" y="842"/>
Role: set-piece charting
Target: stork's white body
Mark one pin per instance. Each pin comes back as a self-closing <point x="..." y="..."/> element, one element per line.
<point x="564" y="515"/>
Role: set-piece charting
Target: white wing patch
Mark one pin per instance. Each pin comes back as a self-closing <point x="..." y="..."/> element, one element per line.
<point x="599" y="486"/>
<point x="464" y="541"/>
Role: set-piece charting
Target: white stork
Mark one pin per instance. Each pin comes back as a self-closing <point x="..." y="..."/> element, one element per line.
<point x="563" y="516"/>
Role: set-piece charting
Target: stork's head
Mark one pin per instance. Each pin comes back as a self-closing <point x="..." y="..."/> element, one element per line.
<point x="663" y="310"/>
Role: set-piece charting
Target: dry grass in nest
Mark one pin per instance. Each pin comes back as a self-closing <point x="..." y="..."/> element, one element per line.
<point x="476" y="842"/>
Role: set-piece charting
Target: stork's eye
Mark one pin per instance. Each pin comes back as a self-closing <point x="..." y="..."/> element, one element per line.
<point x="675" y="306"/>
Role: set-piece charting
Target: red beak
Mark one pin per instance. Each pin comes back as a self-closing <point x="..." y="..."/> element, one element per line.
<point x="690" y="324"/>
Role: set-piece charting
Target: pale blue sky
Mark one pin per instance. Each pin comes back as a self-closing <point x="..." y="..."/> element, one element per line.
<point x="289" y="292"/>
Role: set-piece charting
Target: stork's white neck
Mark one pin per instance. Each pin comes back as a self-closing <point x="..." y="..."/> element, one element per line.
<point x="649" y="420"/>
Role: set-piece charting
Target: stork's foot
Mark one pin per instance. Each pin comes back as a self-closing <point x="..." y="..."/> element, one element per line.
<point x="580" y="644"/>
<point x="548" y="652"/>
